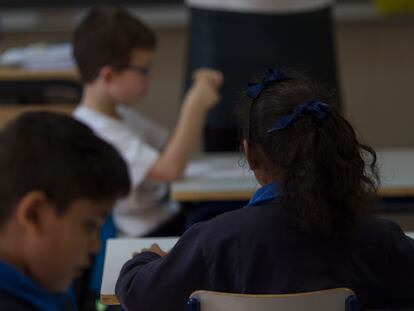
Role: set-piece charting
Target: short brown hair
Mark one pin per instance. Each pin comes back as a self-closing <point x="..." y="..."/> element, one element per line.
<point x="107" y="36"/>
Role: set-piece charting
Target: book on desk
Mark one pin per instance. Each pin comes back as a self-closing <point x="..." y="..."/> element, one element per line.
<point x="119" y="251"/>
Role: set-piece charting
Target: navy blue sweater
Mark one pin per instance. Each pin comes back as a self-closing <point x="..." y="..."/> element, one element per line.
<point x="263" y="250"/>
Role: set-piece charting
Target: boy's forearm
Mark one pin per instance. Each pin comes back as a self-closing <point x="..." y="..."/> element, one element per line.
<point x="202" y="95"/>
<point x="172" y="161"/>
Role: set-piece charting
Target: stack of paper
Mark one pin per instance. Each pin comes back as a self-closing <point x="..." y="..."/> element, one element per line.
<point x="40" y="57"/>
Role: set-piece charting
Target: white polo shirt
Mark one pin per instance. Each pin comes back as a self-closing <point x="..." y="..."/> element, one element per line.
<point x="137" y="139"/>
<point x="260" y="6"/>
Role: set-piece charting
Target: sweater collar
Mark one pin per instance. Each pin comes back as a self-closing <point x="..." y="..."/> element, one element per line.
<point x="267" y="193"/>
<point x="17" y="284"/>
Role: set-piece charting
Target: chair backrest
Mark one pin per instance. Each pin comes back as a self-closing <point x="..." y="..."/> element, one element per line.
<point x="337" y="299"/>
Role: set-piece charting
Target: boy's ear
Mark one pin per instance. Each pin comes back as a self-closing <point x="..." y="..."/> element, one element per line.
<point x="106" y="73"/>
<point x="251" y="156"/>
<point x="31" y="211"/>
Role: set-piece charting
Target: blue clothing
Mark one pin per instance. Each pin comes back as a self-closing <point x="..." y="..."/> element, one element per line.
<point x="22" y="293"/>
<point x="263" y="250"/>
<point x="269" y="193"/>
<point x="108" y="231"/>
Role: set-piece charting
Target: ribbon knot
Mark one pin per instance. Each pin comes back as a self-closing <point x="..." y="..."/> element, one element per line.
<point x="315" y="108"/>
<point x="271" y="75"/>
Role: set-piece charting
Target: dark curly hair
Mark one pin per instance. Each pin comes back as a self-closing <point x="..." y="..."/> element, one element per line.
<point x="327" y="176"/>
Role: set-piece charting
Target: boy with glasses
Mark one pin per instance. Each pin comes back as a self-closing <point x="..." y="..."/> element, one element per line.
<point x="114" y="52"/>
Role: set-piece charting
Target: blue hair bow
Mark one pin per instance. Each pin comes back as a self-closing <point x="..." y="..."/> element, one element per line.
<point x="315" y="108"/>
<point x="271" y="74"/>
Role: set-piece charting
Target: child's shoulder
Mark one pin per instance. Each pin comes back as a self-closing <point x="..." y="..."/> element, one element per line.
<point x="380" y="227"/>
<point x="380" y="235"/>
<point x="108" y="127"/>
<point x="246" y="217"/>
<point x="223" y="226"/>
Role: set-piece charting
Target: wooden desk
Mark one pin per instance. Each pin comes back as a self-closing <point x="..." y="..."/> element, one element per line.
<point x="20" y="85"/>
<point x="215" y="177"/>
<point x="118" y="251"/>
<point x="219" y="177"/>
<point x="21" y="74"/>
<point x="10" y="112"/>
<point x="396" y="169"/>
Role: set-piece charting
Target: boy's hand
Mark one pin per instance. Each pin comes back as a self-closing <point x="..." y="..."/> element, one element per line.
<point x="204" y="91"/>
<point x="213" y="76"/>
<point x="153" y="249"/>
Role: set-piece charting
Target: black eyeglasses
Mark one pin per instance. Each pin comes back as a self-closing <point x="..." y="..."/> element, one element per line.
<point x="144" y="71"/>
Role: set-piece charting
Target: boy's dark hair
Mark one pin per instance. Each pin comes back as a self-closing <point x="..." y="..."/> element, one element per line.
<point x="59" y="156"/>
<point x="321" y="164"/>
<point x="106" y="37"/>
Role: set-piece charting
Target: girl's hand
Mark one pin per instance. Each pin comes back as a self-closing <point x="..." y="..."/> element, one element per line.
<point x="153" y="249"/>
